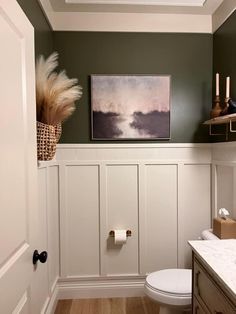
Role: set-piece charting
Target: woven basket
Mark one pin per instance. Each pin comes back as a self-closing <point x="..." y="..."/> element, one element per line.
<point x="46" y="141"/>
<point x="58" y="130"/>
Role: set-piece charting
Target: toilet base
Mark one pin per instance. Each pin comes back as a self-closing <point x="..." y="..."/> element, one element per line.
<point x="172" y="310"/>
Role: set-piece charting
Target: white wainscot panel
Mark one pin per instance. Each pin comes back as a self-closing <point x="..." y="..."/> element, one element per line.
<point x="82" y="220"/>
<point x="53" y="225"/>
<point x="194" y="214"/>
<point x="224" y="152"/>
<point x="121" y="213"/>
<point x="40" y="279"/>
<point x="225" y="188"/>
<point x="225" y="185"/>
<point x="161" y="217"/>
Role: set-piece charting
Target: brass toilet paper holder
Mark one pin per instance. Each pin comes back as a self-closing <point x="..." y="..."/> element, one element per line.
<point x="128" y="233"/>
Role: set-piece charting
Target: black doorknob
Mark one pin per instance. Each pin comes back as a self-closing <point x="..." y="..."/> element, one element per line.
<point x="42" y="257"/>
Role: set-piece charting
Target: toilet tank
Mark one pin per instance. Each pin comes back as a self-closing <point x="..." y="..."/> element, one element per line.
<point x="208" y="235"/>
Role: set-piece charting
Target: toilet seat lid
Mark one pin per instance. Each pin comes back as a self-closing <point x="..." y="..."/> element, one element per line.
<point x="174" y="281"/>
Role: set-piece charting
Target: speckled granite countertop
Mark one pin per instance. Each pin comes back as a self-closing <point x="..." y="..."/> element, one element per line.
<point x="220" y="257"/>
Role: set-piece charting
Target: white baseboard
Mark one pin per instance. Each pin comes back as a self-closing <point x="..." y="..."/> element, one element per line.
<point x="82" y="289"/>
<point x="51" y="307"/>
<point x="96" y="288"/>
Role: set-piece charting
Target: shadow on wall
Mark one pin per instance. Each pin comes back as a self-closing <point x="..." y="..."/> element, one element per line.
<point x="203" y="130"/>
<point x="112" y="247"/>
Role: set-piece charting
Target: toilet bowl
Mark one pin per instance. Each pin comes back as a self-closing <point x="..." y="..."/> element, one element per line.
<point x="172" y="288"/>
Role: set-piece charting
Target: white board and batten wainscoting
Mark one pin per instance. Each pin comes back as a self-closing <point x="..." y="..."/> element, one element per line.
<point x="161" y="192"/>
<point x="48" y="224"/>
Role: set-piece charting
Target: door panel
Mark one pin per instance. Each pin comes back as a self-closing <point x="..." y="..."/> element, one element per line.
<point x="18" y="162"/>
<point x="23" y="306"/>
<point x="13" y="166"/>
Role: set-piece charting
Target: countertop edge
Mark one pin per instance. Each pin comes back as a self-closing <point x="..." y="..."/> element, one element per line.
<point x="218" y="278"/>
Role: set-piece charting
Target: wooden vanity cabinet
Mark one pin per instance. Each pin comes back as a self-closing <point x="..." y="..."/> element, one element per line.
<point x="209" y="296"/>
<point x="198" y="308"/>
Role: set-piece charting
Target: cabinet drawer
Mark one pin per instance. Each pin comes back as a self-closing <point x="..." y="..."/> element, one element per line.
<point x="197" y="308"/>
<point x="206" y="291"/>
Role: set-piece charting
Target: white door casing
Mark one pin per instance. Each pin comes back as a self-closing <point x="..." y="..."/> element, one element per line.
<point x="18" y="162"/>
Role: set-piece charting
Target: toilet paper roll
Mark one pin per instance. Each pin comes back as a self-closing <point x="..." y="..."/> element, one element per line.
<point x="120" y="237"/>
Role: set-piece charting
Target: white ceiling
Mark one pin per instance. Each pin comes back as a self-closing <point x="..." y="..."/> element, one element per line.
<point x="137" y="6"/>
<point x="142" y="2"/>
<point x="191" y="16"/>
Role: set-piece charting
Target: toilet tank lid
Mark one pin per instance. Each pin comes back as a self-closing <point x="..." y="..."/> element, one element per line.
<point x="176" y="281"/>
<point x="209" y="235"/>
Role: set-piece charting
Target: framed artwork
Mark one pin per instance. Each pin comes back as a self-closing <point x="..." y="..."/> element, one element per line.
<point x="130" y="107"/>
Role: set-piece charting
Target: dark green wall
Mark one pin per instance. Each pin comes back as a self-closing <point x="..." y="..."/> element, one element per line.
<point x="186" y="57"/>
<point x="224" y="58"/>
<point x="43" y="32"/>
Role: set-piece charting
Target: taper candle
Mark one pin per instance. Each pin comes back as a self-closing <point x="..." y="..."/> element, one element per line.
<point x="217" y="84"/>
<point x="227" y="86"/>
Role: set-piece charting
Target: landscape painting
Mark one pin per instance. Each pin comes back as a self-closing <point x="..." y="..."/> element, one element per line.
<point x="130" y="107"/>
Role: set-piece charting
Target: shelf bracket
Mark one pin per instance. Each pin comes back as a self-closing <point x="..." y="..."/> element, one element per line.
<point x="231" y="127"/>
<point x="216" y="134"/>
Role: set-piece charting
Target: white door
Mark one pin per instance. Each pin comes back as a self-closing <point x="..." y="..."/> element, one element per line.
<point x="18" y="164"/>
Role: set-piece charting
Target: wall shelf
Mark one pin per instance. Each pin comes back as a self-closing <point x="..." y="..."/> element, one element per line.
<point x="227" y="120"/>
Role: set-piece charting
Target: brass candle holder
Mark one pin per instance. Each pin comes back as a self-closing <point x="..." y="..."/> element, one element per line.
<point x="225" y="108"/>
<point x="216" y="110"/>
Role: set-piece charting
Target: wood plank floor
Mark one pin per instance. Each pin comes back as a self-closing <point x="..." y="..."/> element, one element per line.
<point x="141" y="305"/>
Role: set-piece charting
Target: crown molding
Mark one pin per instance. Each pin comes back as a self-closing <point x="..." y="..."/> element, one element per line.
<point x="137" y="22"/>
<point x="126" y="22"/>
<point x="222" y="14"/>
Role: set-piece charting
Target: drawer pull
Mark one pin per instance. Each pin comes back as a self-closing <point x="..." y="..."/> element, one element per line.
<point x="196" y="281"/>
<point x="216" y="312"/>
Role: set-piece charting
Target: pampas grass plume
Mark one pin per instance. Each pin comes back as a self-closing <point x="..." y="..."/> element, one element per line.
<point x="55" y="92"/>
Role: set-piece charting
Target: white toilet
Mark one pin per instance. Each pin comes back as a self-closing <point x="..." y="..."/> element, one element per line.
<point x="172" y="288"/>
